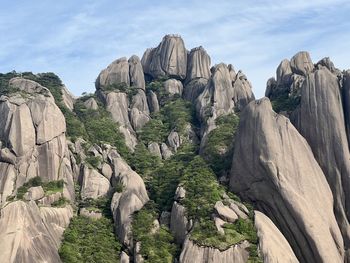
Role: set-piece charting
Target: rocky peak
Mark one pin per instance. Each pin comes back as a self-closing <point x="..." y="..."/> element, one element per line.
<point x="168" y="59"/>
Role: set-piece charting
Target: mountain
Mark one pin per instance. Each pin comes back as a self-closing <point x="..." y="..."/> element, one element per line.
<point x="173" y="160"/>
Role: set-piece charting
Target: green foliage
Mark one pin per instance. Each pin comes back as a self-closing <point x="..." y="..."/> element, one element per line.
<point x="157" y="86"/>
<point x="175" y="115"/>
<point x="166" y="178"/>
<point x="156" y="247"/>
<point x="90" y="241"/>
<point x="219" y="148"/>
<point x="284" y="102"/>
<point x="49" y="187"/>
<point x="60" y="202"/>
<point x="153" y="131"/>
<point x="93" y="161"/>
<point x="102" y="204"/>
<point x="122" y="87"/>
<point x="202" y="189"/>
<point x="53" y="187"/>
<point x="100" y="127"/>
<point x="143" y="162"/>
<point x="75" y="128"/>
<point x="206" y="234"/>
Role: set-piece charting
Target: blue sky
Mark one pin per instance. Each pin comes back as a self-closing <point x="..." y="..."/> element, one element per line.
<point x="77" y="39"/>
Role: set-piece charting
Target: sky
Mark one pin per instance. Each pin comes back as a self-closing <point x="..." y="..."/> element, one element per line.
<point x="77" y="39"/>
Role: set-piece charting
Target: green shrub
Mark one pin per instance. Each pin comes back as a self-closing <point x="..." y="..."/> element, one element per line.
<point x="220" y="145"/>
<point x="122" y="87"/>
<point x="91" y="241"/>
<point x="100" y="128"/>
<point x="284" y="101"/>
<point x="153" y="131"/>
<point x="93" y="161"/>
<point x="60" y="202"/>
<point x="156" y="247"/>
<point x="143" y="162"/>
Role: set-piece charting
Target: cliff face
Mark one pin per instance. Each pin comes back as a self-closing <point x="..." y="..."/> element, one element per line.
<point x="173" y="160"/>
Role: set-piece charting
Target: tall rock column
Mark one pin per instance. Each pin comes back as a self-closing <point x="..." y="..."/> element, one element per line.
<point x="274" y="167"/>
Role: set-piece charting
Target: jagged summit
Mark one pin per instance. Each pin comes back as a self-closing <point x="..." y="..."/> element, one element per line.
<point x="173" y="160"/>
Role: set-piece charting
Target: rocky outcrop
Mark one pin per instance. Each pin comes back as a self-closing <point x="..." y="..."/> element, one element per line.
<point x="301" y="63"/>
<point x="93" y="184"/>
<point x="173" y="86"/>
<point x="33" y="137"/>
<point x="168" y="59"/>
<point x="273" y="246"/>
<point x="277" y="171"/>
<point x="68" y="98"/>
<point x="116" y="73"/>
<point x="191" y="252"/>
<point x="130" y="199"/>
<point x="28" y="234"/>
<point x="91" y="104"/>
<point x="198" y="66"/>
<point x="320" y="119"/>
<point x="179" y="224"/>
<point x="115" y="85"/>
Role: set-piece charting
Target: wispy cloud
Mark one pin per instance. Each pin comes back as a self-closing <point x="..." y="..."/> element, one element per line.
<point x="76" y="39"/>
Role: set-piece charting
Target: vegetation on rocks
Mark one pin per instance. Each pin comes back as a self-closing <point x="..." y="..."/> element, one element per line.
<point x="89" y="241"/>
<point x="283" y="101"/>
<point x="157" y="245"/>
<point x="49" y="187"/>
<point x="219" y="148"/>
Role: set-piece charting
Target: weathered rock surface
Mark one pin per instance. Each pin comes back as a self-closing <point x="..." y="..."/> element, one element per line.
<point x="131" y="199"/>
<point x="194" y="253"/>
<point x="154" y="149"/>
<point x="117" y="72"/>
<point x="34" y="193"/>
<point x="173" y="86"/>
<point x="91" y="104"/>
<point x="168" y="59"/>
<point x="320" y="120"/>
<point x="153" y="101"/>
<point x="68" y="98"/>
<point x="28" y="234"/>
<point x="198" y="66"/>
<point x="301" y="63"/>
<point x="274" y="248"/>
<point x="277" y="171"/>
<point x="179" y="222"/>
<point x="93" y="184"/>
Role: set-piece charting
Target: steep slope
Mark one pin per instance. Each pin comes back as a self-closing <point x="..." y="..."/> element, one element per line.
<point x="318" y="92"/>
<point x="278" y="172"/>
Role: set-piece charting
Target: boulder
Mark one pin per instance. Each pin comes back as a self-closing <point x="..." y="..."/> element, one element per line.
<point x="166" y="152"/>
<point x="125" y="203"/>
<point x="301" y="63"/>
<point x="68" y="98"/>
<point x="198" y="66"/>
<point x="225" y="212"/>
<point x="281" y="179"/>
<point x="136" y="73"/>
<point x="116" y="73"/>
<point x="179" y="223"/>
<point x="153" y="101"/>
<point x="168" y="59"/>
<point x="34" y="193"/>
<point x="91" y="104"/>
<point x="154" y="149"/>
<point x="94" y="184"/>
<point x="174" y="140"/>
<point x="173" y="86"/>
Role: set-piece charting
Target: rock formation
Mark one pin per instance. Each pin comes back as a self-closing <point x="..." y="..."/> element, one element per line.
<point x="270" y="170"/>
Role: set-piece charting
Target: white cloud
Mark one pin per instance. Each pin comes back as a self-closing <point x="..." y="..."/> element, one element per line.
<point x="77" y="39"/>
